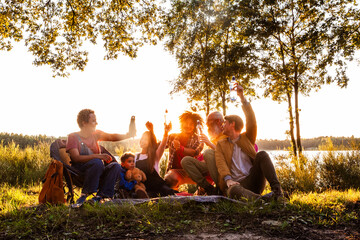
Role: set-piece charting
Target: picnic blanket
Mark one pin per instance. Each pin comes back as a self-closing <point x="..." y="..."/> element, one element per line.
<point x="175" y="199"/>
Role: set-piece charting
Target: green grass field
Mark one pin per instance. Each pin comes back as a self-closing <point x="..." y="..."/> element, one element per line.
<point x="313" y="211"/>
<point x="22" y="218"/>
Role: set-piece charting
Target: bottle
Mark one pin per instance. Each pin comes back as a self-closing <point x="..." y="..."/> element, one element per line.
<point x="132" y="127"/>
<point x="165" y="116"/>
<point x="198" y="128"/>
<point x="233" y="93"/>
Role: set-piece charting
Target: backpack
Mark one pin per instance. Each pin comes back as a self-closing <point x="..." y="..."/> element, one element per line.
<point x="52" y="191"/>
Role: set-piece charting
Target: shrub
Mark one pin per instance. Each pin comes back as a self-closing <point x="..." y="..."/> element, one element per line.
<point x="297" y="173"/>
<point x="163" y="164"/>
<point x="340" y="170"/>
<point x="23" y="166"/>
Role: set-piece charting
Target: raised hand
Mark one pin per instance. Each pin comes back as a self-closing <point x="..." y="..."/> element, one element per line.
<point x="167" y="128"/>
<point x="240" y="91"/>
<point x="149" y="126"/>
<point x="204" y="139"/>
<point x="176" y="143"/>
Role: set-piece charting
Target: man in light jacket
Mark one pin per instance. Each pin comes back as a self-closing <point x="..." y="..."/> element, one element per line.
<point x="242" y="171"/>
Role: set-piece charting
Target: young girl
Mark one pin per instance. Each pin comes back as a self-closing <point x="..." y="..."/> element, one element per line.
<point x="185" y="143"/>
<point x="148" y="161"/>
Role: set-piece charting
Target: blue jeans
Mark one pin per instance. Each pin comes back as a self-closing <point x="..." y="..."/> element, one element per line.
<point x="98" y="178"/>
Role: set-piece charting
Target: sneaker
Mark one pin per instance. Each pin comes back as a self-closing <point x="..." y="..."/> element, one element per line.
<point x="200" y="191"/>
<point x="268" y="197"/>
<point x="79" y="202"/>
<point x="211" y="190"/>
<point x="272" y="196"/>
<point x="96" y="199"/>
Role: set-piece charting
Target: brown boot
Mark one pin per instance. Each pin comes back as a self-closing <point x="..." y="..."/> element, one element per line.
<point x="140" y="193"/>
<point x="278" y="192"/>
<point x="238" y="192"/>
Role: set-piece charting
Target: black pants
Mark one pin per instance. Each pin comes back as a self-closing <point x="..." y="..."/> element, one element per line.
<point x="262" y="170"/>
<point x="155" y="185"/>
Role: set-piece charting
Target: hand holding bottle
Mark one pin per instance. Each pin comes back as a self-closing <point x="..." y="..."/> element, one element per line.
<point x="240" y="92"/>
<point x="132" y="127"/>
<point x="167" y="128"/>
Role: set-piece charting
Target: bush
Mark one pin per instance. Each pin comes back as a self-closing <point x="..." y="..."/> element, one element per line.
<point x="340" y="170"/>
<point x="23" y="166"/>
<point x="297" y="173"/>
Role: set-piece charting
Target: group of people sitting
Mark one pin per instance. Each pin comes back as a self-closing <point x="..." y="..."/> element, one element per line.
<point x="231" y="165"/>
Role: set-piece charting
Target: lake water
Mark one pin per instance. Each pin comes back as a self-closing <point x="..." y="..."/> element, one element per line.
<point x="274" y="153"/>
<point x="310" y="154"/>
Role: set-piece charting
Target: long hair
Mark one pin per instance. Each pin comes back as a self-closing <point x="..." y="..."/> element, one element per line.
<point x="193" y="116"/>
<point x="152" y="147"/>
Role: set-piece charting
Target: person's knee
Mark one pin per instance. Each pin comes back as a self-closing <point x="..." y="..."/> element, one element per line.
<point x="97" y="164"/>
<point x="262" y="154"/>
<point x="209" y="155"/>
<point x="171" y="179"/>
<point x="186" y="162"/>
<point x="115" y="168"/>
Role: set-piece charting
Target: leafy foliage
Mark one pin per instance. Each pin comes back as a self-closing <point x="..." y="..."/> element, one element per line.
<point x="340" y="170"/>
<point x="298" y="175"/>
<point x="204" y="37"/>
<point x="57" y="32"/>
<point x="298" y="47"/>
<point x="335" y="170"/>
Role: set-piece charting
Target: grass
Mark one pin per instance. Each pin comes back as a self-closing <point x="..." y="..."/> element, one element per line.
<point x="23" y="166"/>
<point x="307" y="211"/>
<point x="328" y="208"/>
<point x="22" y="218"/>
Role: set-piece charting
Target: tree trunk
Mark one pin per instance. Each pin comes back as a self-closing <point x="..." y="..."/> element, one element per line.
<point x="224" y="81"/>
<point x="298" y="139"/>
<point x="291" y="122"/>
<point x="223" y="101"/>
<point x="207" y="101"/>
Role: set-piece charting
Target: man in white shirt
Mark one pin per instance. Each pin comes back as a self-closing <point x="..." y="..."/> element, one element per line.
<point x="243" y="171"/>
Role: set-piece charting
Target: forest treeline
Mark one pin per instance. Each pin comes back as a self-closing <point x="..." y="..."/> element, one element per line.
<point x="24" y="141"/>
<point x="339" y="143"/>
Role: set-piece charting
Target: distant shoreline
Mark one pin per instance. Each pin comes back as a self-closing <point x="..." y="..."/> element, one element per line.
<point x="316" y="144"/>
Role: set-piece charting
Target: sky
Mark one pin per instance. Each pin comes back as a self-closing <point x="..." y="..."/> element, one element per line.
<point x="33" y="102"/>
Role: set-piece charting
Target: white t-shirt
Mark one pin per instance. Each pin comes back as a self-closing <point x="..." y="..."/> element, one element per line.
<point x="240" y="164"/>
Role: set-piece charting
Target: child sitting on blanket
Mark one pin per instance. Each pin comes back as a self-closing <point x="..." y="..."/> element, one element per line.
<point x="123" y="188"/>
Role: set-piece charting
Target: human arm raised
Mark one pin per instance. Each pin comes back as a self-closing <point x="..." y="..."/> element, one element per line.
<point x="113" y="137"/>
<point x="160" y="150"/>
<point x="251" y="125"/>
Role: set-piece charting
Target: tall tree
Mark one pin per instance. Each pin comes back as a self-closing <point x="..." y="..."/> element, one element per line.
<point x="296" y="51"/>
<point x="189" y="28"/>
<point x="205" y="40"/>
<point x="55" y="31"/>
<point x="234" y="52"/>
